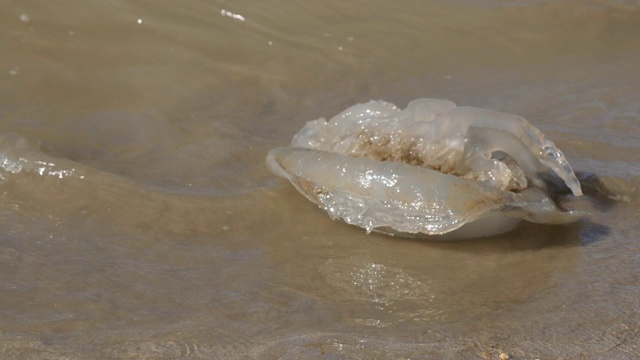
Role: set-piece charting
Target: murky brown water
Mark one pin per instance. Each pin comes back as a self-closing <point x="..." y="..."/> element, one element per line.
<point x="138" y="220"/>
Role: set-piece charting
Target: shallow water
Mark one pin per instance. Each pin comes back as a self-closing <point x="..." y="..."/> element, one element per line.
<point x="138" y="219"/>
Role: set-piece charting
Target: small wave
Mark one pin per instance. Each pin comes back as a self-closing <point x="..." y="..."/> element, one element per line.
<point x="34" y="183"/>
<point x="18" y="155"/>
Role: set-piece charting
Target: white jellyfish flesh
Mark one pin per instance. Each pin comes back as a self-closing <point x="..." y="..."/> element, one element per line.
<point x="432" y="169"/>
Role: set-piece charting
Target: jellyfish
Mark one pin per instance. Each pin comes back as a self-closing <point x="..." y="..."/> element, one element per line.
<point x="433" y="170"/>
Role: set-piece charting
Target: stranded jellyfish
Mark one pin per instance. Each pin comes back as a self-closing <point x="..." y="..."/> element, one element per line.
<point x="432" y="169"/>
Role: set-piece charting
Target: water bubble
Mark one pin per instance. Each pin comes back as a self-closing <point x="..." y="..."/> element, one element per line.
<point x="24" y="18"/>
<point x="232" y="15"/>
<point x="139" y="21"/>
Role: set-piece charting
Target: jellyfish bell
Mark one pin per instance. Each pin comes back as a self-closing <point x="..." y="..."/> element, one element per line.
<point x="432" y="169"/>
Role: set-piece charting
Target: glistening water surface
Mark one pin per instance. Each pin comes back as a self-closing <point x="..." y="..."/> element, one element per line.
<point x="138" y="220"/>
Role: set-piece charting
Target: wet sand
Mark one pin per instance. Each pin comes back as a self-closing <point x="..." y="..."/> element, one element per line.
<point x="138" y="220"/>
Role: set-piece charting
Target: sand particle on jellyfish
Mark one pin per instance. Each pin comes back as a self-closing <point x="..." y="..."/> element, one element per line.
<point x="432" y="169"/>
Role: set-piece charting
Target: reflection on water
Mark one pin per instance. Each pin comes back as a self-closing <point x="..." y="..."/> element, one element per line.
<point x="138" y="219"/>
<point x="444" y="283"/>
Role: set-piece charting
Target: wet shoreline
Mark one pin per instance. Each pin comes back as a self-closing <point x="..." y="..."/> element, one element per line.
<point x="140" y="220"/>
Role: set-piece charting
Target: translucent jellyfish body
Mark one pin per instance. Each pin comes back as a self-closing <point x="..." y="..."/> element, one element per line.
<point x="428" y="170"/>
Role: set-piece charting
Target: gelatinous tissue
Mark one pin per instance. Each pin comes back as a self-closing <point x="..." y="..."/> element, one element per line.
<point x="431" y="169"/>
